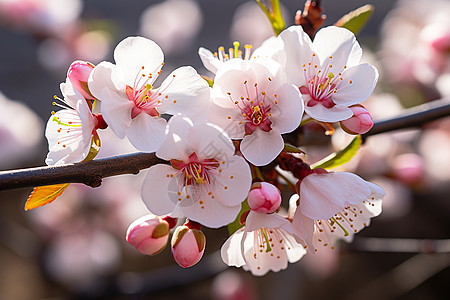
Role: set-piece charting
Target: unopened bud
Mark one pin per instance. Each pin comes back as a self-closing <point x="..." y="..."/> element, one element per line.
<point x="360" y="123"/>
<point x="148" y="234"/>
<point x="78" y="75"/>
<point x="188" y="246"/>
<point x="264" y="198"/>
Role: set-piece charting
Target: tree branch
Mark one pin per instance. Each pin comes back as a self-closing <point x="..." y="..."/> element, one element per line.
<point x="413" y="117"/>
<point x="89" y="172"/>
<point x="92" y="172"/>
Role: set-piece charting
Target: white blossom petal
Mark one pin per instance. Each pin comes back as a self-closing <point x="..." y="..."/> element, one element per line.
<point x="298" y="48"/>
<point x="187" y="92"/>
<point x="133" y="53"/>
<point x="233" y="182"/>
<point x="261" y="147"/>
<point x="210" y="62"/>
<point x="231" y="250"/>
<point x="340" y="43"/>
<point x="100" y="78"/>
<point x="287" y="114"/>
<point x="116" y="111"/>
<point x="363" y="80"/>
<point x="174" y="146"/>
<point x="333" y="114"/>
<point x="155" y="192"/>
<point x="210" y="212"/>
<point x="146" y="133"/>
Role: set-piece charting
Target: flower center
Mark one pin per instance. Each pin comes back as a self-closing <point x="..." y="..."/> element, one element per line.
<point x="195" y="172"/>
<point x="145" y="98"/>
<point x="255" y="107"/>
<point x="321" y="82"/>
<point x="234" y="52"/>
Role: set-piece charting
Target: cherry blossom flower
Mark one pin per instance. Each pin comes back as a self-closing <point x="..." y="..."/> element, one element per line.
<point x="252" y="102"/>
<point x="267" y="242"/>
<point x="327" y="70"/>
<point x="205" y="181"/>
<point x="70" y="131"/>
<point x="130" y="104"/>
<point x="334" y="206"/>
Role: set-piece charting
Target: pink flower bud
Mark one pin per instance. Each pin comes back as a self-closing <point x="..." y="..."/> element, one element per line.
<point x="148" y="234"/>
<point x="360" y="122"/>
<point x="188" y="245"/>
<point x="78" y="75"/>
<point x="264" y="198"/>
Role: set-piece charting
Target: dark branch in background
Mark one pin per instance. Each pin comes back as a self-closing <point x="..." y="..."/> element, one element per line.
<point x="311" y="18"/>
<point x="413" y="117"/>
<point x="92" y="172"/>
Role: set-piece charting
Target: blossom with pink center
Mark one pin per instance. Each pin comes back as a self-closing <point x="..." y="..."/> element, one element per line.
<point x="70" y="131"/>
<point x="205" y="182"/>
<point x="131" y="105"/>
<point x="264" y="198"/>
<point x="267" y="242"/>
<point x="334" y="206"/>
<point x="327" y="71"/>
<point x="361" y="121"/>
<point x="252" y="102"/>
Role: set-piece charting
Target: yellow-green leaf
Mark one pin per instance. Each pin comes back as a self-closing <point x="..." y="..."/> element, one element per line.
<point x="235" y="225"/>
<point x="339" y="158"/>
<point x="274" y="15"/>
<point x="42" y="195"/>
<point x="355" y="20"/>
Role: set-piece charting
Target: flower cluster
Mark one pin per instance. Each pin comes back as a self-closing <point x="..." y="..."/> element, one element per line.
<point x="215" y="138"/>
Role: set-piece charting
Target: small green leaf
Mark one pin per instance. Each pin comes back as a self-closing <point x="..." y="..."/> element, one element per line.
<point x="355" y="20"/>
<point x="235" y="225"/>
<point x="339" y="158"/>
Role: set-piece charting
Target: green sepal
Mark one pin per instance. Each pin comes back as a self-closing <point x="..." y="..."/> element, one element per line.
<point x="209" y="80"/>
<point x="339" y="158"/>
<point x="236" y="225"/>
<point x="95" y="147"/>
<point x="356" y="19"/>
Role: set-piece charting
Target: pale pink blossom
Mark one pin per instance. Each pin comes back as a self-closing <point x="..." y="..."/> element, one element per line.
<point x="267" y="242"/>
<point x="78" y="75"/>
<point x="148" y="234"/>
<point x="360" y="123"/>
<point x="334" y="206"/>
<point x="327" y="71"/>
<point x="252" y="102"/>
<point x="205" y="182"/>
<point x="131" y="106"/>
<point x="264" y="198"/>
<point x="70" y="131"/>
<point x="188" y="245"/>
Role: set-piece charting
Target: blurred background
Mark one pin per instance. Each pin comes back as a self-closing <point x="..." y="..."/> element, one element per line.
<point x="75" y="248"/>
